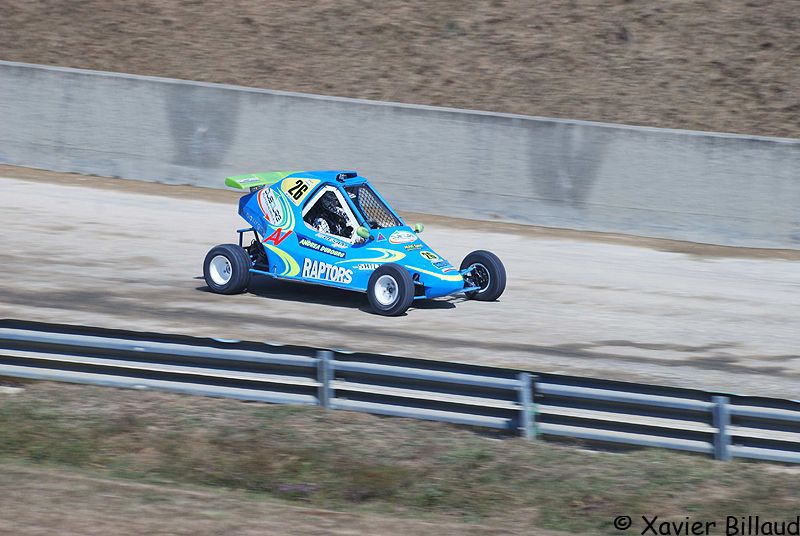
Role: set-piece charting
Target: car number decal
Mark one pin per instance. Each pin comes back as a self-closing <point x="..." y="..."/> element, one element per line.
<point x="298" y="188"/>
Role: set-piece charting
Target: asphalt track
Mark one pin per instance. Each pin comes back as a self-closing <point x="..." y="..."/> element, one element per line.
<point x="125" y="254"/>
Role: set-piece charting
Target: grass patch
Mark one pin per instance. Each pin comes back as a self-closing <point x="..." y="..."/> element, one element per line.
<point x="354" y="461"/>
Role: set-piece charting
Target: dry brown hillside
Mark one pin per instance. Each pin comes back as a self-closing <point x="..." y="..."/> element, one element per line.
<point x="725" y="65"/>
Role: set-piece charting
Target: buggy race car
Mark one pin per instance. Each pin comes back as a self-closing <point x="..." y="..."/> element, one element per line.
<point x="332" y="228"/>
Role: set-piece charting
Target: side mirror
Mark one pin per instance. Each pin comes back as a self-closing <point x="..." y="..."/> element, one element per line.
<point x="363" y="232"/>
<point x="418" y="228"/>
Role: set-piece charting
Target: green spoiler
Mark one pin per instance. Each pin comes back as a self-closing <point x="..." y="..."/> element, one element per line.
<point x="254" y="180"/>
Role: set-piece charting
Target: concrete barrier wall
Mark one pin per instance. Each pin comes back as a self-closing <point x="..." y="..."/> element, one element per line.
<point x="703" y="187"/>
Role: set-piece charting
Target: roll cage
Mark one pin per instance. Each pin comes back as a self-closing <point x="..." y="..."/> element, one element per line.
<point x="364" y="203"/>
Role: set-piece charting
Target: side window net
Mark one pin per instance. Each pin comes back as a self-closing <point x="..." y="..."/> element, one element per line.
<point x="373" y="209"/>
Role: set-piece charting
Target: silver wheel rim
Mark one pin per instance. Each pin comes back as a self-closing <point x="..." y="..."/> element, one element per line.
<point x="220" y="270"/>
<point x="386" y="290"/>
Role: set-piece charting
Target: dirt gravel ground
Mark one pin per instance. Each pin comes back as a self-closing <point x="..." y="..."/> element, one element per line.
<point x="722" y="65"/>
<point x="119" y="256"/>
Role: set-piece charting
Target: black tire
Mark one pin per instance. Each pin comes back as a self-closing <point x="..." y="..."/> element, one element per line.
<point x="489" y="274"/>
<point x="227" y="257"/>
<point x="394" y="283"/>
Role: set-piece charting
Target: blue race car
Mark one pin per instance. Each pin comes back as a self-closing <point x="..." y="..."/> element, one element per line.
<point x="332" y="228"/>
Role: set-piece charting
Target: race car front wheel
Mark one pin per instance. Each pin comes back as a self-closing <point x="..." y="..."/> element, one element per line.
<point x="390" y="290"/>
<point x="227" y="269"/>
<point x="486" y="272"/>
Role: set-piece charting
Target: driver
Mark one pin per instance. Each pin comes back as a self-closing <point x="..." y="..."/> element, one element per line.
<point x="330" y="218"/>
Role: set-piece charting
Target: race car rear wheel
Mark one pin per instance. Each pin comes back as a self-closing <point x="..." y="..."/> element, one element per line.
<point x="390" y="290"/>
<point x="486" y="272"/>
<point x="227" y="269"/>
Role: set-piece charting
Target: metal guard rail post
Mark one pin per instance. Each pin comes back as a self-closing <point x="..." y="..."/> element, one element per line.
<point x="533" y="406"/>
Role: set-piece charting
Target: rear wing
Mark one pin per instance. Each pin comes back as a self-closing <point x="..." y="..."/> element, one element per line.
<point x="256" y="180"/>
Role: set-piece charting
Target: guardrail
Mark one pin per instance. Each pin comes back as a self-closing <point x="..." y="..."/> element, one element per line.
<point x="532" y="405"/>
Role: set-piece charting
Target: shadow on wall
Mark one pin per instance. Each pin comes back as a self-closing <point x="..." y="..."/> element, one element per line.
<point x="565" y="167"/>
<point x="202" y="123"/>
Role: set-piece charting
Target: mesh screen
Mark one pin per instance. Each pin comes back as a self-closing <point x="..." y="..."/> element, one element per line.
<point x="373" y="209"/>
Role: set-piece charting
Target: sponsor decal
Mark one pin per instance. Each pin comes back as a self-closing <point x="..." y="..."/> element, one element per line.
<point x="269" y="205"/>
<point x="297" y="189"/>
<point x="449" y="269"/>
<point x="381" y="238"/>
<point x="322" y="271"/>
<point x="257" y="223"/>
<point x="436" y="261"/>
<point x="276" y="237"/>
<point x="249" y="180"/>
<point x="322" y="248"/>
<point x="334" y="242"/>
<point x="402" y="237"/>
<point x="410" y="247"/>
<point x="367" y="266"/>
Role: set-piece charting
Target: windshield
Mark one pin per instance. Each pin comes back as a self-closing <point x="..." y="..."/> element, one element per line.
<point x="376" y="214"/>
